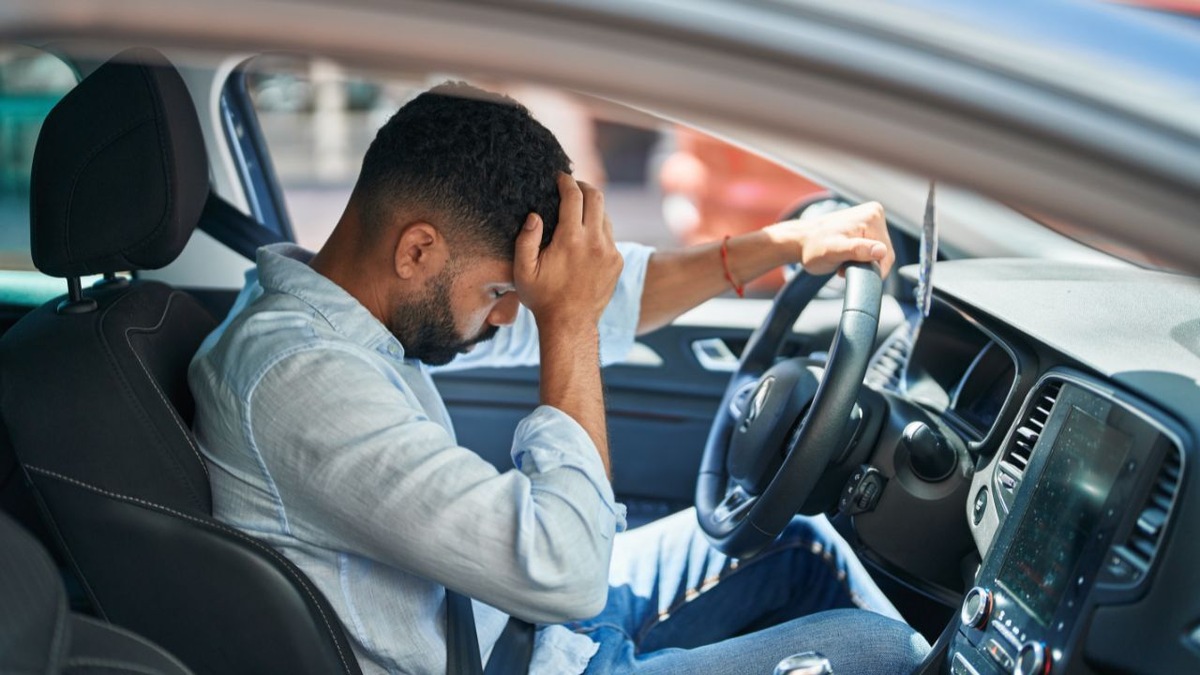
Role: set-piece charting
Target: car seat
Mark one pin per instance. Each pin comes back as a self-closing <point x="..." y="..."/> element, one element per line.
<point x="94" y="394"/>
<point x="39" y="635"/>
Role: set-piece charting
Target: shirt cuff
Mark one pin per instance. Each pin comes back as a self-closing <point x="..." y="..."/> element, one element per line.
<point x="618" y="324"/>
<point x="548" y="440"/>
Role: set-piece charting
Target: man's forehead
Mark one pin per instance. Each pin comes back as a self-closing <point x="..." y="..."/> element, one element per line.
<point x="486" y="269"/>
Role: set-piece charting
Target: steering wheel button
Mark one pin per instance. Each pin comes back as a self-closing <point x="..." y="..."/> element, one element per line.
<point x="862" y="491"/>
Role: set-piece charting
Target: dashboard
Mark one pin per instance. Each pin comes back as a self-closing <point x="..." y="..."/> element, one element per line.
<point x="1089" y="480"/>
<point x="1072" y="396"/>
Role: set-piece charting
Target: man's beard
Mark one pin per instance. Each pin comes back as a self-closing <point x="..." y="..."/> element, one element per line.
<point x="426" y="326"/>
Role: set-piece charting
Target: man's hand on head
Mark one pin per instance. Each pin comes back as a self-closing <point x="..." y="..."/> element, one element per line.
<point x="570" y="282"/>
<point x="566" y="286"/>
<point x="857" y="234"/>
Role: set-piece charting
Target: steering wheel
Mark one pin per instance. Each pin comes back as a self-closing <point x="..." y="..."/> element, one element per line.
<point x="764" y="457"/>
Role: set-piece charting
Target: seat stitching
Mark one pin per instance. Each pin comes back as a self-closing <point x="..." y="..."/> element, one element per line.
<point x="114" y="665"/>
<point x="134" y="636"/>
<point x="285" y="564"/>
<point x="60" y="629"/>
<point x="122" y="377"/>
<point x="174" y="416"/>
<point x="159" y="120"/>
<point x="61" y="542"/>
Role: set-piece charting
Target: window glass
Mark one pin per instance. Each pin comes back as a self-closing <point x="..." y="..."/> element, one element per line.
<point x="664" y="185"/>
<point x="31" y="82"/>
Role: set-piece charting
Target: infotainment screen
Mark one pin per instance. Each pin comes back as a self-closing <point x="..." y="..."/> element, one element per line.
<point x="1065" y="507"/>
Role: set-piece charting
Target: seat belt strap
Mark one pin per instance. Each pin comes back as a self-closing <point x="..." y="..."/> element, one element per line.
<point x="462" y="644"/>
<point x="514" y="649"/>
<point x="511" y="654"/>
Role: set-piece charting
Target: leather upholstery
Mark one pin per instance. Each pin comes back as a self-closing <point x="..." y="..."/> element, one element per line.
<point x="93" y="392"/>
<point x="217" y="598"/>
<point x="33" y="623"/>
<point x="39" y="635"/>
<point x="98" y="411"/>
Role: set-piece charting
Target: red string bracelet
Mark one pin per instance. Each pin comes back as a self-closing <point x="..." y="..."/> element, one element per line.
<point x="740" y="290"/>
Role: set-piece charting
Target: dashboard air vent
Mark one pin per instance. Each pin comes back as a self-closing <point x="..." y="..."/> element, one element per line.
<point x="887" y="365"/>
<point x="1143" y="541"/>
<point x="1015" y="459"/>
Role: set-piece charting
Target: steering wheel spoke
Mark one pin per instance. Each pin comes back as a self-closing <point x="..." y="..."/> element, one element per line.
<point x="735" y="505"/>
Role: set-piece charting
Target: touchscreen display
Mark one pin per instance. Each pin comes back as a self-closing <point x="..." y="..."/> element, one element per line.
<point x="1083" y="464"/>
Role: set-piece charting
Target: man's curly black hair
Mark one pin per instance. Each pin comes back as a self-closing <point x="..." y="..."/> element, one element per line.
<point x="472" y="163"/>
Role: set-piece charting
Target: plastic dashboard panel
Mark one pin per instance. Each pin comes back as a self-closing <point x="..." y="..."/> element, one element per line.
<point x="1134" y="333"/>
<point x="1137" y="330"/>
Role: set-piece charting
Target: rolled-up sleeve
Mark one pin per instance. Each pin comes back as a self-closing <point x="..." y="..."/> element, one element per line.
<point x="549" y="442"/>
<point x="362" y="469"/>
<point x="517" y="344"/>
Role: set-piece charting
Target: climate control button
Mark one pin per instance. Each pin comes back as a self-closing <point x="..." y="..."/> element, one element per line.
<point x="976" y="608"/>
<point x="1033" y="659"/>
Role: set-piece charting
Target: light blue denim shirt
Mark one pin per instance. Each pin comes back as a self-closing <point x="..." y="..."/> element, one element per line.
<point x="325" y="442"/>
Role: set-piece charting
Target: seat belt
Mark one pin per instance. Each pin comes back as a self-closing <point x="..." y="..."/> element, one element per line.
<point x="462" y="644"/>
<point x="511" y="654"/>
<point x="514" y="649"/>
<point x="228" y="225"/>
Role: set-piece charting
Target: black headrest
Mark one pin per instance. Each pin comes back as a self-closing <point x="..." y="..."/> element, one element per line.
<point x="120" y="174"/>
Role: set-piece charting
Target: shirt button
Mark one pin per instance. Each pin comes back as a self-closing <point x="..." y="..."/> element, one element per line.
<point x="393" y="350"/>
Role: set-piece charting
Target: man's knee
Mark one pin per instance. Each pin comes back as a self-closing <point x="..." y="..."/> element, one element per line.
<point x="884" y="644"/>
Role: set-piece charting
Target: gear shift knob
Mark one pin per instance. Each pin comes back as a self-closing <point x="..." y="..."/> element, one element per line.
<point x="806" y="663"/>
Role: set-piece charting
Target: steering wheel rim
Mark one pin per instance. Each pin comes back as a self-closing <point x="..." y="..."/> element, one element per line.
<point x="736" y="521"/>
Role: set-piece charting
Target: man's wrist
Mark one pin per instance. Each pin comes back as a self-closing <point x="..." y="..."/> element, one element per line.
<point x="565" y="334"/>
<point x="786" y="240"/>
<point x="756" y="253"/>
<point x="571" y="326"/>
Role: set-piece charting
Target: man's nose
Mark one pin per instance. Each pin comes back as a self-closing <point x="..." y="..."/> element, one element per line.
<point x="505" y="311"/>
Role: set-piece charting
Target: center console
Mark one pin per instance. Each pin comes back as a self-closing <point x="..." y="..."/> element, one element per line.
<point x="1089" y="479"/>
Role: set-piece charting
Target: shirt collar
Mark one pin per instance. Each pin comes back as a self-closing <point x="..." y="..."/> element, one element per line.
<point x="285" y="268"/>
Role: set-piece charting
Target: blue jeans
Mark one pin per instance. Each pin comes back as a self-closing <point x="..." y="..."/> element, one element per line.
<point x="677" y="605"/>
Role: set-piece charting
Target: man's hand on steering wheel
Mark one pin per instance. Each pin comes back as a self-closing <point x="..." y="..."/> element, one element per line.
<point x="856" y="234"/>
<point x="781" y="424"/>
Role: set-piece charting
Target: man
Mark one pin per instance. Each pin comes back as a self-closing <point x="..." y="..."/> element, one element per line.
<point x="326" y="438"/>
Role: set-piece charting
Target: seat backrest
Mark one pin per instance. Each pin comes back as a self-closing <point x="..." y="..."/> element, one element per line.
<point x="39" y="635"/>
<point x="34" y="621"/>
<point x="94" y="395"/>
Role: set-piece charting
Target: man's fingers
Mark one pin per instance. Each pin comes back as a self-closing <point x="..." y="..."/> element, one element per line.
<point x="593" y="209"/>
<point x="870" y="250"/>
<point x="885" y="265"/>
<point x="529" y="242"/>
<point x="570" y="209"/>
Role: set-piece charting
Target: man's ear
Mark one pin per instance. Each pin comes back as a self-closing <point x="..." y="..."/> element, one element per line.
<point x="421" y="252"/>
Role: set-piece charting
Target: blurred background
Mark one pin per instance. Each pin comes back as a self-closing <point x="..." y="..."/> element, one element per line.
<point x="666" y="185"/>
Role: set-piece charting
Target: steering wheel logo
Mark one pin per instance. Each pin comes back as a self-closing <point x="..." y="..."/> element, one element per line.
<point x="757" y="403"/>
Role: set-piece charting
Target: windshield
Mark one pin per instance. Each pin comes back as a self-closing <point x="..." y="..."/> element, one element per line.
<point x="1102" y="243"/>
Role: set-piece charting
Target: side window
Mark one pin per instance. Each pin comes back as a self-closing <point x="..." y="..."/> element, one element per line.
<point x="31" y="82"/>
<point x="712" y="189"/>
<point x="665" y="185"/>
